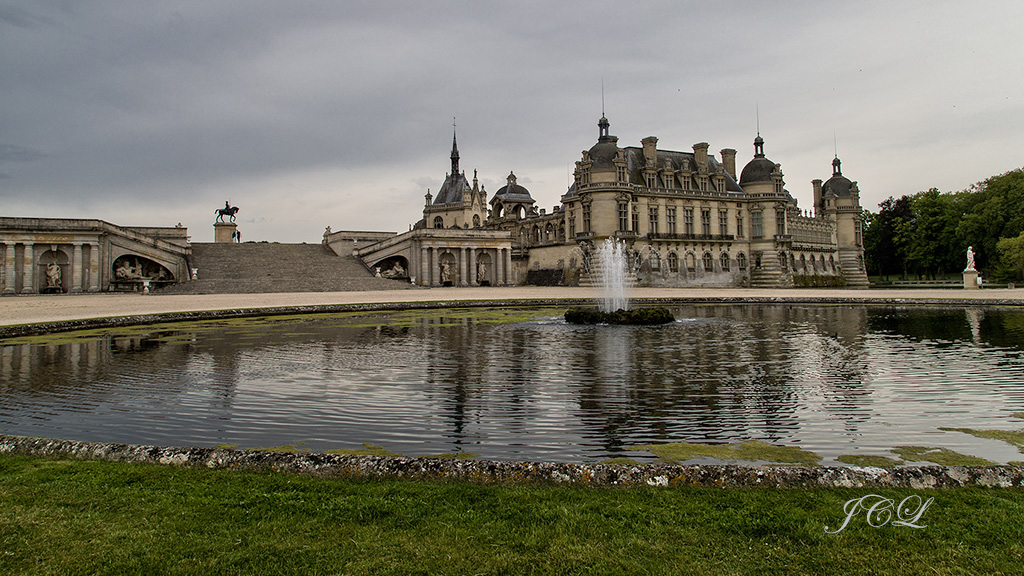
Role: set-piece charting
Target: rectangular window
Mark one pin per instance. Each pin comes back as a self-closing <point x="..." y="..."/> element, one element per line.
<point x="756" y="225"/>
<point x="623" y="216"/>
<point x="621" y="171"/>
<point x="780" y="223"/>
<point x="670" y="220"/>
<point x="572" y="224"/>
<point x="739" y="225"/>
<point x="723" y="222"/>
<point x="636" y="221"/>
<point x="652" y="213"/>
<point x="651" y="180"/>
<point x="688" y="221"/>
<point x="586" y="217"/>
<point x="705" y="221"/>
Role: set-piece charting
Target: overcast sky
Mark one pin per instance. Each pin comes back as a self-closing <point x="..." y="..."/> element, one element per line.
<point x="309" y="114"/>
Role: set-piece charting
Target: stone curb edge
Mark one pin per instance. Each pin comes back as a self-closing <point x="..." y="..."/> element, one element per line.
<point x="502" y="472"/>
<point x="14" y="331"/>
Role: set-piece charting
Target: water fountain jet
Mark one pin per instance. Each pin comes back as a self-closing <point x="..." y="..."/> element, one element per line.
<point x="611" y="267"/>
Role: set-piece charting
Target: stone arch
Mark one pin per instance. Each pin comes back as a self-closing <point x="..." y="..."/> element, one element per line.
<point x="708" y="261"/>
<point x="130" y="271"/>
<point x="691" y="261"/>
<point x="447" y="269"/>
<point x="549" y="232"/>
<point x="484" y="268"/>
<point x="673" y="262"/>
<point x="53" y="271"/>
<point x="393" y="267"/>
<point x="438" y="222"/>
<point x="723" y="260"/>
<point x="536" y="234"/>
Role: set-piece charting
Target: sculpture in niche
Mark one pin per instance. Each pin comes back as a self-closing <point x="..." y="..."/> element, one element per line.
<point x="127" y="270"/>
<point x="481" y="272"/>
<point x="53" y="275"/>
<point x="396" y="271"/>
<point x="446" y="272"/>
<point x="228" y="210"/>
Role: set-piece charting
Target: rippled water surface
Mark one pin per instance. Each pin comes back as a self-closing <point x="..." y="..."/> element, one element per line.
<point x="521" y="384"/>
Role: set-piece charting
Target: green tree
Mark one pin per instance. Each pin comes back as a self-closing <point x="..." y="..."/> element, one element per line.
<point x="933" y="245"/>
<point x="1011" y="258"/>
<point x="993" y="209"/>
<point x="885" y="236"/>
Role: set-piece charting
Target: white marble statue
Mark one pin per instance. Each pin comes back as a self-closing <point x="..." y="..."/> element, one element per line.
<point x="970" y="258"/>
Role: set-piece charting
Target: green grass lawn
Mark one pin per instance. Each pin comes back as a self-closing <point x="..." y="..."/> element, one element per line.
<point x="79" y="517"/>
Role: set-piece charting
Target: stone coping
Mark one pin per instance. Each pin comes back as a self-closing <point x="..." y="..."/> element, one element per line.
<point x="17" y="330"/>
<point x="520" y="473"/>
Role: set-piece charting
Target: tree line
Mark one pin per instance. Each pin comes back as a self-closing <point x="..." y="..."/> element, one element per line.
<point x="926" y="235"/>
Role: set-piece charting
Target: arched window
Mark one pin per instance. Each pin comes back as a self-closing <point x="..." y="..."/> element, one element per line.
<point x="741" y="261"/>
<point x="673" y="262"/>
<point x="691" y="261"/>
<point x="709" y="262"/>
<point x="832" y="263"/>
<point x="783" y="260"/>
<point x="549" y="232"/>
<point x="822" y="262"/>
<point x="803" y="263"/>
<point x="476" y="220"/>
<point x="536" y="234"/>
<point x="724" y="261"/>
<point x="438" y="222"/>
<point x="655" y="261"/>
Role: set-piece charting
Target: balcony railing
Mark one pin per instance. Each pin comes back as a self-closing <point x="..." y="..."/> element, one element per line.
<point x="692" y="237"/>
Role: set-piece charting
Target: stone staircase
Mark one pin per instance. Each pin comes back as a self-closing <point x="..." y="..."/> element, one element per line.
<point x="770" y="275"/>
<point x="251" y="268"/>
<point x="855" y="277"/>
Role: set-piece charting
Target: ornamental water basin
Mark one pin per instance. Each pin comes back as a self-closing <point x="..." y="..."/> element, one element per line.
<point x="845" y="382"/>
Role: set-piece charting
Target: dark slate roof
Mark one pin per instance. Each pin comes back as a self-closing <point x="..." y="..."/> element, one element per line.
<point x="837" y="185"/>
<point x="603" y="153"/>
<point x="451" y="191"/>
<point x="635" y="163"/>
<point x="757" y="170"/>
<point x="512" y="192"/>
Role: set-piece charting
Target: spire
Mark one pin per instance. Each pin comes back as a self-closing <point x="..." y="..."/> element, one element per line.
<point x="455" y="151"/>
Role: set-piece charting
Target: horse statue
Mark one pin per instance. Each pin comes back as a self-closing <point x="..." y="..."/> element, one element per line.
<point x="228" y="210"/>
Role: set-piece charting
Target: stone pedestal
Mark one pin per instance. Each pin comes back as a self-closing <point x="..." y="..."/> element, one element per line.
<point x="971" y="280"/>
<point x="224" y="232"/>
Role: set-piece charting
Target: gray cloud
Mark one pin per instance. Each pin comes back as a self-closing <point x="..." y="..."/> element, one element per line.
<point x="162" y="111"/>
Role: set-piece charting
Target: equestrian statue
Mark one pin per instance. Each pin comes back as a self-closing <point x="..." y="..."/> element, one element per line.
<point x="228" y="210"/>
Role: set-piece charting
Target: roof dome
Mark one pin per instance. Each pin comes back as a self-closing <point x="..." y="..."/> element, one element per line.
<point x="513" y="192"/>
<point x="760" y="169"/>
<point x="605" y="151"/>
<point x="837" y="185"/>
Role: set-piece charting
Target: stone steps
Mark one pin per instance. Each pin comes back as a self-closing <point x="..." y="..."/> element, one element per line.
<point x="251" y="268"/>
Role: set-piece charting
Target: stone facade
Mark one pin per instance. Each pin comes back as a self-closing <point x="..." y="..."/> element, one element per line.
<point x="56" y="255"/>
<point x="687" y="218"/>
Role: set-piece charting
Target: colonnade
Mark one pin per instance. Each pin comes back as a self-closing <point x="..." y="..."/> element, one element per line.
<point x="20" y="274"/>
<point x="463" y="266"/>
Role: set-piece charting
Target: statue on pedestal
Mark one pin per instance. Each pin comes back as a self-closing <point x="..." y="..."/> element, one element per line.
<point x="228" y="210"/>
<point x="970" y="259"/>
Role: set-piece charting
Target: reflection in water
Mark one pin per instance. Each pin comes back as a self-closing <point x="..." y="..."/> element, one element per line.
<point x="832" y="379"/>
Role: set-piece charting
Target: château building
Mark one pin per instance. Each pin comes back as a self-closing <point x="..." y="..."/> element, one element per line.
<point x="687" y="218"/>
